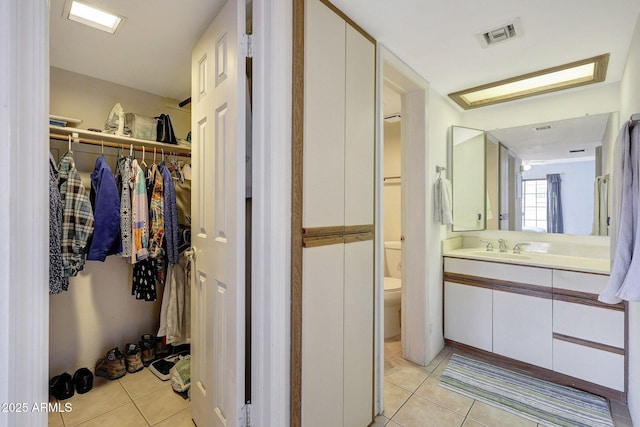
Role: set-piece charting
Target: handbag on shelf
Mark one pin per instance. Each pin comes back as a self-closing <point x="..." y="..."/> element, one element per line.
<point x="165" y="130"/>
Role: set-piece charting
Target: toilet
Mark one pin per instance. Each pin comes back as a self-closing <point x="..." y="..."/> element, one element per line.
<point x="392" y="287"/>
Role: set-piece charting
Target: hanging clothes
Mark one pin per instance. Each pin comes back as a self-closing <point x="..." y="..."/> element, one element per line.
<point x="144" y="281"/>
<point x="170" y="216"/>
<point x="600" y="206"/>
<point x="105" y="201"/>
<point x="123" y="178"/>
<point x="57" y="282"/>
<point x="156" y="210"/>
<point x="77" y="222"/>
<point x="175" y="313"/>
<point x="139" y="215"/>
<point x="624" y="279"/>
<point x="555" y="223"/>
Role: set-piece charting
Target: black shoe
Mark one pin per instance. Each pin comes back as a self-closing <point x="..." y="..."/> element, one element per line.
<point x="83" y="380"/>
<point x="61" y="386"/>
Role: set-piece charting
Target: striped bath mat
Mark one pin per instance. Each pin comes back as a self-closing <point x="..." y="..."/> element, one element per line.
<point x="541" y="401"/>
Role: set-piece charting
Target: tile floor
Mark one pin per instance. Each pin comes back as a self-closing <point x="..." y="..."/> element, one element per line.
<point x="135" y="400"/>
<point x="413" y="398"/>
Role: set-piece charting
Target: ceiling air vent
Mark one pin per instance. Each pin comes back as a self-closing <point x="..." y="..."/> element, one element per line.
<point x="500" y="34"/>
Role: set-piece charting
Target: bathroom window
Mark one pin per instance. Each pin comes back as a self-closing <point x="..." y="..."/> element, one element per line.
<point x="534" y="204"/>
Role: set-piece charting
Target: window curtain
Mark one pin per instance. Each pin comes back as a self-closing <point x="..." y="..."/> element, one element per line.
<point x="554" y="204"/>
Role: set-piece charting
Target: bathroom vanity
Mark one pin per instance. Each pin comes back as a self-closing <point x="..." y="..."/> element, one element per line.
<point x="538" y="313"/>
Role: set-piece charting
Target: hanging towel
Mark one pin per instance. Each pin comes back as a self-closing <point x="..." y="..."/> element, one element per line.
<point x="77" y="216"/>
<point x="105" y="201"/>
<point x="600" y="206"/>
<point x="442" y="212"/>
<point x="624" y="279"/>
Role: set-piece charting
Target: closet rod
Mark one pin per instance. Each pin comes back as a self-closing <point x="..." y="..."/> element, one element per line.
<point x="169" y="149"/>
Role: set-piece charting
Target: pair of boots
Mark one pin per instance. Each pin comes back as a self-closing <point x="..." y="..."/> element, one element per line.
<point x="62" y="386"/>
<point x="136" y="356"/>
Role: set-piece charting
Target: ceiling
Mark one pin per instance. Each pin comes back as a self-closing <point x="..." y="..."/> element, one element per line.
<point x="152" y="51"/>
<point x="542" y="142"/>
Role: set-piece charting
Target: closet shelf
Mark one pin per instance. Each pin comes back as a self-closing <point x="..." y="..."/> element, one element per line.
<point x="108" y="140"/>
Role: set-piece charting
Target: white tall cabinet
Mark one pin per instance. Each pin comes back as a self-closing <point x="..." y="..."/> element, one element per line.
<point x="337" y="221"/>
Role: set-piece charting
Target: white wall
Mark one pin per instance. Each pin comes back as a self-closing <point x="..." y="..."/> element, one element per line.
<point x="392" y="187"/>
<point x="441" y="116"/>
<point x="630" y="104"/>
<point x="99" y="312"/>
<point x="576" y="192"/>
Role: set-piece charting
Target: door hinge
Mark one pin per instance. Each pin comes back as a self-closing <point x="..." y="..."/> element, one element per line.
<point x="245" y="415"/>
<point x="246" y="44"/>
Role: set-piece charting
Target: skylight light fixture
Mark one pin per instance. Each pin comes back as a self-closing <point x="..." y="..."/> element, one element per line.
<point x="574" y="74"/>
<point x="92" y="16"/>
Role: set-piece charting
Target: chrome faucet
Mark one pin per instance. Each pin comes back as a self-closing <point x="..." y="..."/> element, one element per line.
<point x="489" y="245"/>
<point x="518" y="247"/>
<point x="503" y="245"/>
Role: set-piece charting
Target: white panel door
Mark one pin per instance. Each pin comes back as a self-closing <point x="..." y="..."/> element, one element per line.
<point x="522" y="328"/>
<point x="218" y="124"/>
<point x="359" y="129"/>
<point x="324" y="117"/>
<point x="322" y="336"/>
<point x="468" y="315"/>
<point x="358" y="333"/>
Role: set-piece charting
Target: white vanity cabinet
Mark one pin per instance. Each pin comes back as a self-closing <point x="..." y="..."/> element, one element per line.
<point x="541" y="316"/>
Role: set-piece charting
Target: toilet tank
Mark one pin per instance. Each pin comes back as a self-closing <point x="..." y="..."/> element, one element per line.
<point x="393" y="259"/>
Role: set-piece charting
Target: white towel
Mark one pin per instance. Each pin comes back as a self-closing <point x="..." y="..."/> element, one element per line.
<point x="624" y="279"/>
<point x="442" y="201"/>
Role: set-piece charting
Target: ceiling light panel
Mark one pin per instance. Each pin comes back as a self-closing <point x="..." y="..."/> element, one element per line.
<point x="92" y="16"/>
<point x="565" y="76"/>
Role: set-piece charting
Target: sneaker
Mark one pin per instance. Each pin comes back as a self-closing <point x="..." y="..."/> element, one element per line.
<point x="133" y="357"/>
<point x="148" y="347"/>
<point x="111" y="367"/>
<point x="83" y="380"/>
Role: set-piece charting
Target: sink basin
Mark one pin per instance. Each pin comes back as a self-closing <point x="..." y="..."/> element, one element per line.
<point x="497" y="255"/>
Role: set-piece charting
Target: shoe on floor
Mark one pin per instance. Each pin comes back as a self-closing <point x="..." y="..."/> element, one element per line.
<point x="148" y="347"/>
<point x="83" y="380"/>
<point x="111" y="367"/>
<point x="133" y="358"/>
<point x="61" y="386"/>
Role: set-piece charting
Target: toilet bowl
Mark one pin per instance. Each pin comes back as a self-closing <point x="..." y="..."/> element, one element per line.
<point x="392" y="293"/>
<point x="392" y="288"/>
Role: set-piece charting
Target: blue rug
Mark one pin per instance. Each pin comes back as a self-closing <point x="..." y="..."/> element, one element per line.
<point x="541" y="401"/>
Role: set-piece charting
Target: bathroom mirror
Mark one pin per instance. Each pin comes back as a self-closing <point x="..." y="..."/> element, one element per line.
<point x="521" y="163"/>
<point x="468" y="178"/>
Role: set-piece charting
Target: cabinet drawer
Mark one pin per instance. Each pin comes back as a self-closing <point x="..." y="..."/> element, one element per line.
<point x="590" y="364"/>
<point x="595" y="324"/>
<point x="498" y="271"/>
<point x="581" y="282"/>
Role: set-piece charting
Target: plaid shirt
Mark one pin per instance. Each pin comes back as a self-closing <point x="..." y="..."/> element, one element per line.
<point x="77" y="216"/>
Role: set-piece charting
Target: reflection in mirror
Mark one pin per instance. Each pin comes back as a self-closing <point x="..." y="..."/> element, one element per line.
<point x="551" y="177"/>
<point x="468" y="178"/>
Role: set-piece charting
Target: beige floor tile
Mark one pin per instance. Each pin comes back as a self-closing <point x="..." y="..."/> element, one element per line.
<point x="380" y="421"/>
<point x="161" y="404"/>
<point x="394" y="398"/>
<point x="619" y="409"/>
<point x="124" y="416"/>
<point x="392" y="423"/>
<point x="470" y="423"/>
<point x="104" y="397"/>
<point x="55" y="419"/>
<point x="451" y="400"/>
<point x="393" y="347"/>
<point x="622" y="422"/>
<point x="405" y="374"/>
<point x="424" y="413"/>
<point x="181" y="419"/>
<point x="142" y="383"/>
<point x="494" y="417"/>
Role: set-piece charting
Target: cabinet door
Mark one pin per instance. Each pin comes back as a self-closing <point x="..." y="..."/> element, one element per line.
<point x="324" y="117"/>
<point x="323" y="336"/>
<point x="522" y="328"/>
<point x="359" y="130"/>
<point x="467" y="315"/>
